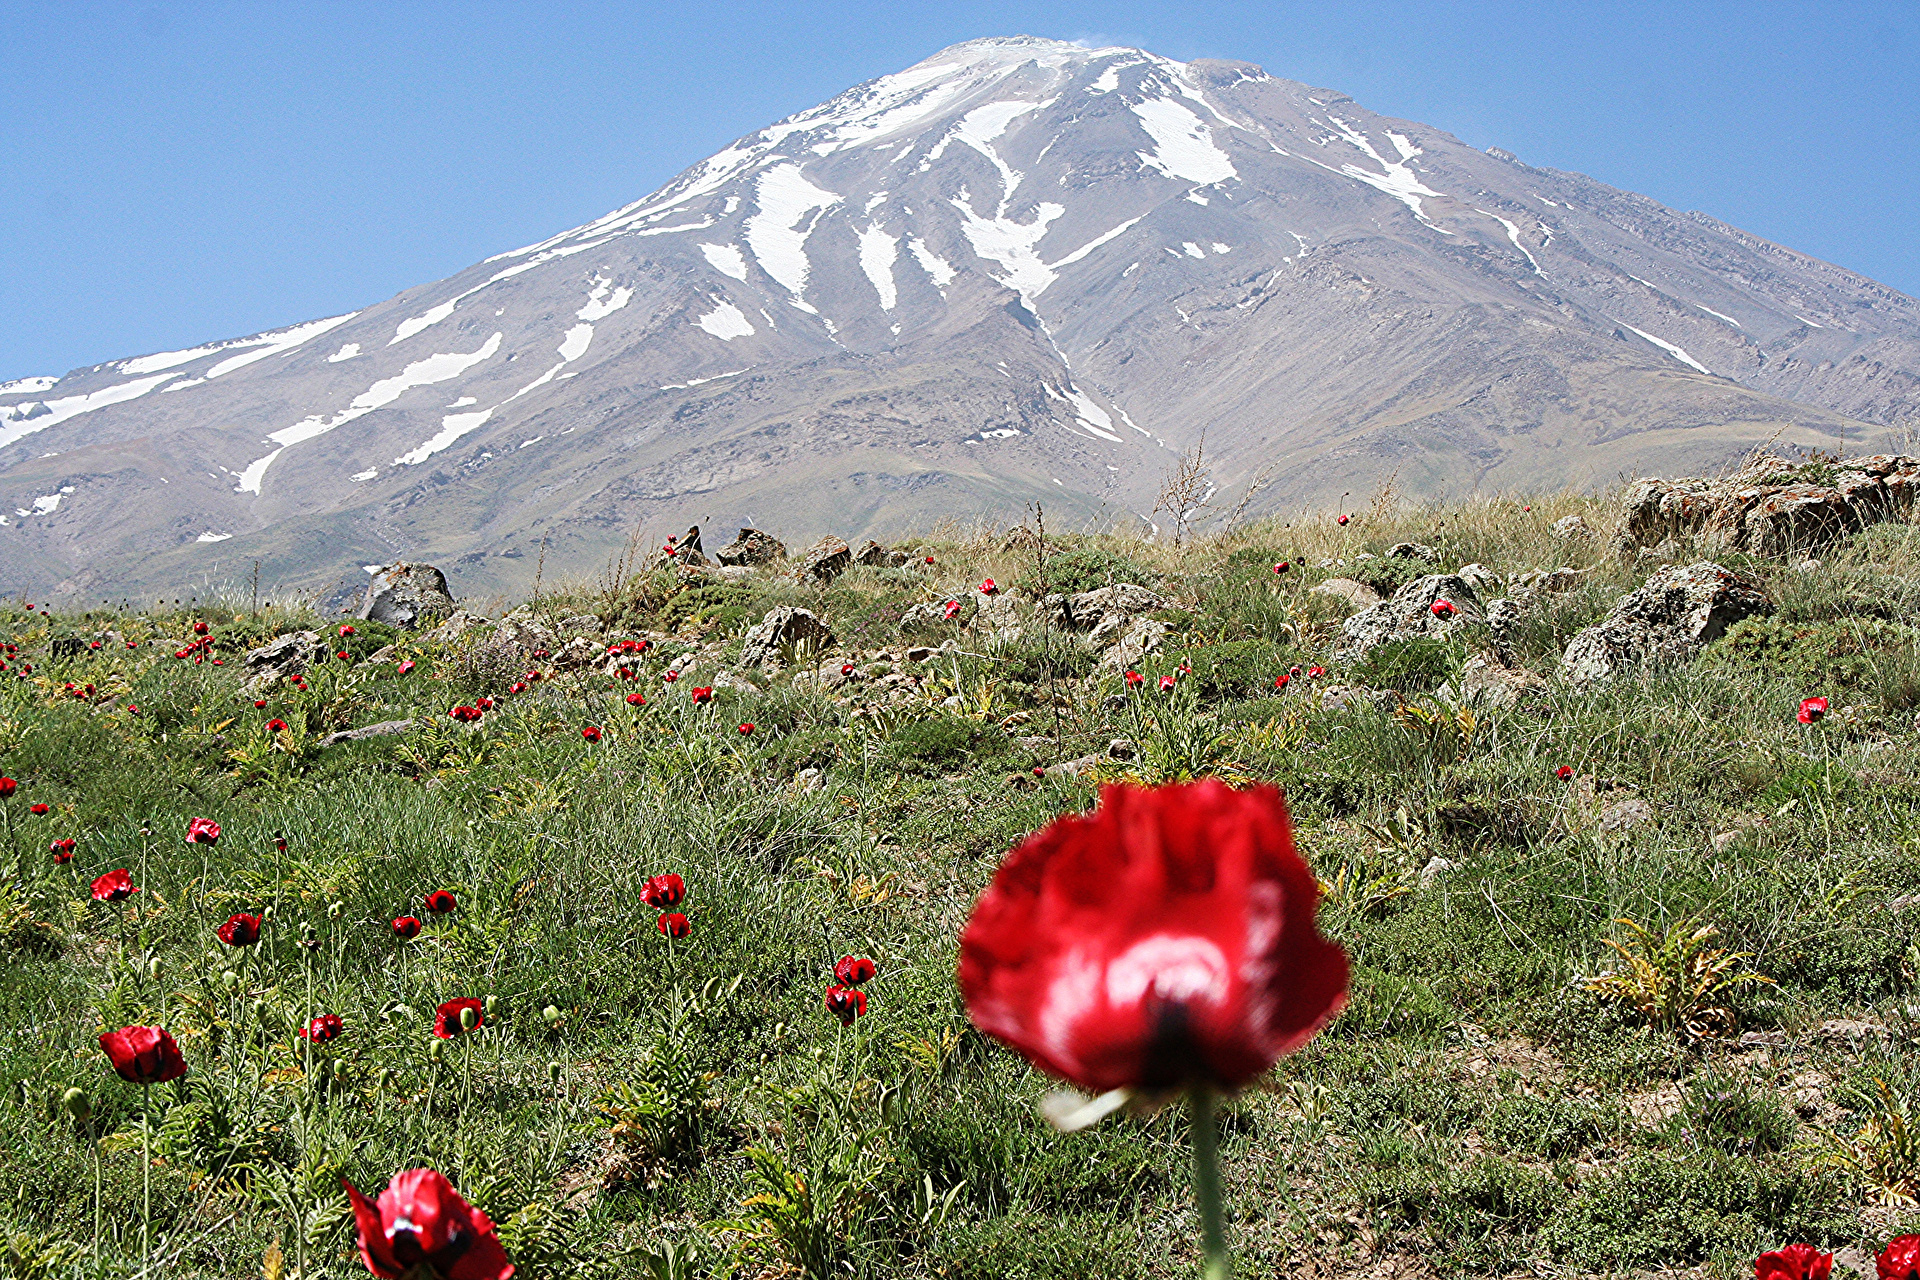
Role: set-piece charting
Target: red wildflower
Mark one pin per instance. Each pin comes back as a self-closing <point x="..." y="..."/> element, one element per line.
<point x="953" y="610"/>
<point x="345" y="629"/>
<point x="280" y="843"/>
<point x="344" y="656"/>
<point x="484" y="704"/>
<point x="1165" y="939"/>
<point x="133" y="708"/>
<point x="1564" y="772"/>
<point x="7" y="787"/>
<point x="406" y="666"/>
<point x="854" y="970"/>
<point x="276" y="726"/>
<point x="144" y="1055"/>
<point x="846" y="1004"/>
<point x="440" y="901"/>
<point x="989" y="587"/>
<point x="665" y="891"/>
<point x="591" y="733"/>
<point x="37" y="809"/>
<point x="200" y="628"/>
<point x="1900" y="1260"/>
<point x="674" y="925"/>
<point x="1442" y="608"/>
<point x="203" y="831"/>
<point x="240" y="930"/>
<point x="636" y="699"/>
<point x="1342" y="520"/>
<point x="420" y="1219"/>
<point x="846" y="668"/>
<point x="62" y="851"/>
<point x="406" y="927"/>
<point x="449" y="1020"/>
<point x="323" y="1028"/>
<point x="1135" y="679"/>
<point x="534" y="677"/>
<point x="94" y="645"/>
<point x="1795" y="1262"/>
<point x="1039" y="771"/>
<point x="259" y="704"/>
<point x="115" y="886"/>
<point x="671" y="676"/>
<point x="929" y="560"/>
<point x="746" y="730"/>
<point x="1314" y="673"/>
<point x="1166" y="683"/>
<point x="703" y="693"/>
<point x="1812" y="709"/>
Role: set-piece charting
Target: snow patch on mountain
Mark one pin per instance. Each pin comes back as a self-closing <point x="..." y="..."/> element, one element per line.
<point x="1183" y="146"/>
<point x="878" y="250"/>
<point x="1668" y="347"/>
<point x="775" y="233"/>
<point x="726" y="322"/>
<point x="726" y="259"/>
<point x="604" y="300"/>
<point x="27" y="386"/>
<point x="59" y="410"/>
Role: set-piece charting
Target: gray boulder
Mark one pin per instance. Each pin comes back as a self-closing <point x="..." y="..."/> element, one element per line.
<point x="385" y="729"/>
<point x="781" y="627"/>
<point x="1349" y="591"/>
<point x="1090" y="610"/>
<point x="1412" y="551"/>
<point x="873" y="555"/>
<point x="750" y="547"/>
<point x="1409" y="613"/>
<point x="825" y="560"/>
<point x="405" y="595"/>
<point x="287" y="655"/>
<point x="1665" y="623"/>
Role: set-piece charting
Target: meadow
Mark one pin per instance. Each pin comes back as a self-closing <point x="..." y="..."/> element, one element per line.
<point x="1634" y="966"/>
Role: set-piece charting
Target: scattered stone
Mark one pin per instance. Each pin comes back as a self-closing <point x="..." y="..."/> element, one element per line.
<point x="875" y="556"/>
<point x="1140" y="639"/>
<point x="1500" y="687"/>
<point x="1074" y="768"/>
<point x="1625" y="815"/>
<point x="405" y="595"/>
<point x="1572" y="529"/>
<point x="751" y="547"/>
<point x="725" y="679"/>
<point x="289" y="655"/>
<point x="825" y="560"/>
<point x="454" y="627"/>
<point x="780" y="628"/>
<point x="922" y="653"/>
<point x="1412" y="551"/>
<point x="1351" y="591"/>
<point x="1088" y="609"/>
<point x="808" y="779"/>
<point x="1122" y="749"/>
<point x="529" y="632"/>
<point x="1436" y="867"/>
<point x="1665" y="623"/>
<point x="1483" y="580"/>
<point x="1552" y="581"/>
<point x="1409" y="614"/>
<point x="385" y="729"/>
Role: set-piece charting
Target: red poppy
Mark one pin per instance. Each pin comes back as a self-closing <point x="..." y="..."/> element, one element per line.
<point x="133" y="708"/>
<point x="746" y="730"/>
<point x="259" y="704"/>
<point x="1342" y="520"/>
<point x="846" y="1004"/>
<point x="406" y="666"/>
<point x="344" y="656"/>
<point x="203" y="831"/>
<point x="929" y="560"/>
<point x="1280" y="681"/>
<point x="636" y="699"/>
<point x="345" y="629"/>
<point x="1812" y="709"/>
<point x="449" y="1018"/>
<point x="1564" y="772"/>
<point x="465" y="714"/>
<point x="406" y="927"/>
<point x="420" y="1219"/>
<point x="1283" y="566"/>
<point x="37" y="809"/>
<point x="7" y="787"/>
<point x="854" y="970"/>
<point x="485" y="704"/>
<point x="1900" y="1260"/>
<point x="846" y="668"/>
<point x="1795" y="1262"/>
<point x="1528" y="507"/>
<point x="674" y="925"/>
<point x="1442" y="608"/>
<point x="1166" y="683"/>
<point x="703" y="693"/>
<point x="94" y="645"/>
<point x="665" y="891"/>
<point x="62" y="851"/>
<point x="240" y="930"/>
<point x="1135" y="679"/>
<point x="1039" y="771"/>
<point x="671" y="676"/>
<point x="323" y="1028"/>
<point x="280" y="843"/>
<point x="200" y="628"/>
<point x="276" y="726"/>
<point x="953" y="610"/>
<point x="144" y="1055"/>
<point x="1165" y="939"/>
<point x="989" y="587"/>
<point x="440" y="901"/>
<point x="1314" y="673"/>
<point x="534" y="676"/>
<point x="114" y="886"/>
<point x="591" y="733"/>
<point x="518" y="686"/>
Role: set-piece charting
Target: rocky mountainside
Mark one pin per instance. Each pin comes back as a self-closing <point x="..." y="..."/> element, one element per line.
<point x="1020" y="270"/>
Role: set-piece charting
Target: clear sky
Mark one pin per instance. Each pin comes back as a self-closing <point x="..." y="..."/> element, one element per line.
<point x="176" y="172"/>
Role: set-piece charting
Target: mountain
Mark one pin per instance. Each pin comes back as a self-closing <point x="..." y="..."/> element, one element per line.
<point x="1017" y="271"/>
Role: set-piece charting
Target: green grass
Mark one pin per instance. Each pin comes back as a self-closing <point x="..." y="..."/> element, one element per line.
<point x="1476" y="1110"/>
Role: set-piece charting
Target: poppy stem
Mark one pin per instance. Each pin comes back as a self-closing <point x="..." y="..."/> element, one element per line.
<point x="1206" y="1183"/>
<point x="146" y="1176"/>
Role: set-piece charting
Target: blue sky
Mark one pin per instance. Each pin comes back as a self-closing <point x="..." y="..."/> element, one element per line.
<point x="178" y="172"/>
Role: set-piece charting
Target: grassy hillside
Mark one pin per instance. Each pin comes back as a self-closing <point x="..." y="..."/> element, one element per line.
<point x="640" y="1105"/>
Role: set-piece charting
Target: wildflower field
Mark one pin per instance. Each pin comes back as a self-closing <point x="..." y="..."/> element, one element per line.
<point x="656" y="958"/>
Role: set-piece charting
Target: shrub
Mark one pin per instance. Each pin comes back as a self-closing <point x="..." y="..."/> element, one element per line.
<point x="1084" y="569"/>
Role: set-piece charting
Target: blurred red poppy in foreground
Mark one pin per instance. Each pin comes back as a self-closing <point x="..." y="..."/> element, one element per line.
<point x="420" y="1219"/>
<point x="1166" y="939"/>
<point x="674" y="925"/>
<point x="1900" y="1260"/>
<point x="440" y="901"/>
<point x="62" y="850"/>
<point x="450" y="1020"/>
<point x="846" y="1004"/>
<point x="144" y="1055"/>
<point x="323" y="1028"/>
<point x="203" y="831"/>
<point x="114" y="886"/>
<point x="406" y="927"/>
<point x="662" y="892"/>
<point x="1812" y="709"/>
<point x="7" y="787"/>
<point x="240" y="930"/>
<point x="854" y="970"/>
<point x="1795" y="1262"/>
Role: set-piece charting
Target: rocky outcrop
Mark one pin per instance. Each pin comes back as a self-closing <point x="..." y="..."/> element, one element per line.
<point x="407" y="595"/>
<point x="825" y="560"/>
<point x="385" y="729"/>
<point x="1112" y="606"/>
<point x="288" y="655"/>
<point x="1772" y="506"/>
<point x="751" y="547"/>
<point x="1410" y="613"/>
<point x="873" y="555"/>
<point x="1349" y="591"/>
<point x="780" y="628"/>
<point x="1665" y="623"/>
<point x="1493" y="685"/>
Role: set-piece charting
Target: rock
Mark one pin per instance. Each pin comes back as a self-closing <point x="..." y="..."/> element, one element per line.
<point x="1483" y="580"/>
<point x="1409" y="614"/>
<point x="996" y="611"/>
<point x="1141" y="638"/>
<point x="1020" y="539"/>
<point x="405" y="595"/>
<point x="385" y="729"/>
<point x="1412" y="551"/>
<point x="874" y="556"/>
<point x="454" y="627"/>
<point x="1772" y="506"/>
<point x="751" y="547"/>
<point x="1340" y="697"/>
<point x="724" y="679"/>
<point x="826" y="560"/>
<point x="1122" y="749"/>
<point x="1351" y="591"/>
<point x="577" y="652"/>
<point x="579" y="624"/>
<point x="1088" y="609"/>
<point x="1665" y="623"/>
<point x="933" y="613"/>
<point x="1074" y="768"/>
<point x="1552" y="581"/>
<point x="1625" y="815"/>
<point x="287" y="655"/>
<point x="922" y="653"/>
<point x="1436" y="867"/>
<point x="1497" y="686"/>
<point x="780" y="628"/>
<point x="808" y="779"/>
<point x="1572" y="529"/>
<point x="529" y="632"/>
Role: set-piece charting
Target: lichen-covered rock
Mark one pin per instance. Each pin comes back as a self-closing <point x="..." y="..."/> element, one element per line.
<point x="1493" y="685"/>
<point x="1772" y="506"/>
<point x="1350" y="591"/>
<point x="1141" y="637"/>
<point x="1412" y="551"/>
<point x="407" y="595"/>
<point x="825" y="560"/>
<point x="287" y="655"/>
<point x="1665" y="623"/>
<point x="781" y="627"/>
<point x="751" y="547"/>
<point x="1410" y="613"/>
<point x="872" y="555"/>
<point x="1088" y="610"/>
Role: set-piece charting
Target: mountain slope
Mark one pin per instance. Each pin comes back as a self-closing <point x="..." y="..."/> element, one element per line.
<point x="1017" y="271"/>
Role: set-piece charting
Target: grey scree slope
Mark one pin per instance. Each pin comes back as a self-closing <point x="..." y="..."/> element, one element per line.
<point x="1018" y="270"/>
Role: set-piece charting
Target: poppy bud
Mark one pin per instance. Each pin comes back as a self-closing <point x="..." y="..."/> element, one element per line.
<point x="74" y="1103"/>
<point x="846" y="668"/>
<point x="469" y="1019"/>
<point x="551" y="1015"/>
